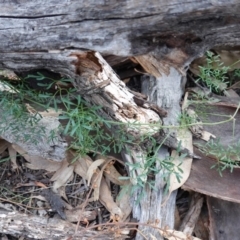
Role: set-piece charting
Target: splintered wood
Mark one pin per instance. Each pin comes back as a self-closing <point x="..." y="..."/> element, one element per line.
<point x="99" y="84"/>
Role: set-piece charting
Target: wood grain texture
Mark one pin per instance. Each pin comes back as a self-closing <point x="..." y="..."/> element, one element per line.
<point x="36" y="227"/>
<point x="121" y="28"/>
<point x="224" y="219"/>
<point x="207" y="181"/>
<point x="165" y="91"/>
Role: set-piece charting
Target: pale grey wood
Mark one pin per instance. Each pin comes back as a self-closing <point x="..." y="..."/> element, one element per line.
<point x="166" y="91"/>
<point x="121" y="28"/>
<point x="35" y="140"/>
<point x="36" y="227"/>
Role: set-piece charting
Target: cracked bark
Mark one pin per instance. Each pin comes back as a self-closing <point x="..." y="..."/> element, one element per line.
<point x="36" y="227"/>
<point x="165" y="91"/>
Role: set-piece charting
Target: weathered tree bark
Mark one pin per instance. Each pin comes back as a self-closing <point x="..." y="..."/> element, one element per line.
<point x="53" y="35"/>
<point x="36" y="227"/>
<point x="166" y="91"/>
<point x="126" y="28"/>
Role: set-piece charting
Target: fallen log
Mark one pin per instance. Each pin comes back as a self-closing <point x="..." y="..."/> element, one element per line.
<point x="36" y="227"/>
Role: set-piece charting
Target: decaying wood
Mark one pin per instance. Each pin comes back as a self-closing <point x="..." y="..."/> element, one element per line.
<point x="149" y="210"/>
<point x="36" y="227"/>
<point x="201" y="175"/>
<point x="189" y="221"/>
<point x="126" y="29"/>
<point x="227" y="132"/>
<point x="224" y="219"/>
<point x="98" y="84"/>
<point x="165" y="91"/>
<point x="201" y="229"/>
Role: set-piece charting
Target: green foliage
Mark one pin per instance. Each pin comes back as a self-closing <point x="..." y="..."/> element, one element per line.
<point x="13" y="109"/>
<point x="81" y="123"/>
<point x="227" y="157"/>
<point x="213" y="75"/>
<point x="184" y="119"/>
<point x="86" y="128"/>
<point x="2" y="160"/>
<point x="236" y="73"/>
<point x="151" y="167"/>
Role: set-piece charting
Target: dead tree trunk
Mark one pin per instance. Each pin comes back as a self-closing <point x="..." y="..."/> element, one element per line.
<point x="62" y="37"/>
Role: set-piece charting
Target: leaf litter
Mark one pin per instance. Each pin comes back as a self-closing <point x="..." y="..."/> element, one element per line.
<point x="64" y="176"/>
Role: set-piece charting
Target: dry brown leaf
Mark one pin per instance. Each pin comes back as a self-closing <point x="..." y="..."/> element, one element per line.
<point x="231" y="94"/>
<point x="176" y="235"/>
<point x="96" y="183"/>
<point x="92" y="169"/>
<point x="114" y="176"/>
<point x="13" y="156"/>
<point x="62" y="175"/>
<point x="185" y="136"/>
<point x="184" y="163"/>
<point x="107" y="200"/>
<point x="62" y="192"/>
<point x="228" y="58"/>
<point x="39" y="197"/>
<point x="97" y="179"/>
<point x="81" y="166"/>
<point x="111" y="173"/>
<point x="206" y="136"/>
<point x="40" y="184"/>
